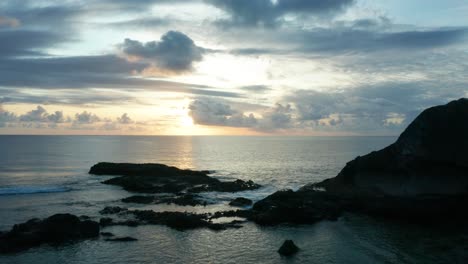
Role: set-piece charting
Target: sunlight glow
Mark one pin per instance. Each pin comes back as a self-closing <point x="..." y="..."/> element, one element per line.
<point x="186" y="121"/>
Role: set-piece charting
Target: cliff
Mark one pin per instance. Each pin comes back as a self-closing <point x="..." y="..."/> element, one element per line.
<point x="429" y="157"/>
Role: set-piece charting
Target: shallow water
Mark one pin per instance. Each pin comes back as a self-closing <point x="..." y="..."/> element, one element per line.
<point x="42" y="175"/>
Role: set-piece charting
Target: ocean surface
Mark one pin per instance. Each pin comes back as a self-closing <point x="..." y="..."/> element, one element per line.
<point x="45" y="175"/>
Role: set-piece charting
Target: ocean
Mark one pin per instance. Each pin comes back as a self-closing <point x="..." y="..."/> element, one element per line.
<point x="45" y="175"/>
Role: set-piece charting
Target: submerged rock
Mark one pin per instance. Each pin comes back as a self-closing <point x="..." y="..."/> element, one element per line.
<point x="159" y="178"/>
<point x="240" y="202"/>
<point x="57" y="229"/>
<point x="288" y="248"/>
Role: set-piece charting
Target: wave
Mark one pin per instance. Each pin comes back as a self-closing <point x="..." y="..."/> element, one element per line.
<point x="32" y="189"/>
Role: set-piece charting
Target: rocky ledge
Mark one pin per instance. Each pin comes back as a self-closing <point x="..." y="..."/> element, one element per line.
<point x="182" y="199"/>
<point x="159" y="178"/>
<point x="177" y="220"/>
<point x="54" y="230"/>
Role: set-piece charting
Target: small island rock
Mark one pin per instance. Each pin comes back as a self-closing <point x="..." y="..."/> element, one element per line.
<point x="288" y="248"/>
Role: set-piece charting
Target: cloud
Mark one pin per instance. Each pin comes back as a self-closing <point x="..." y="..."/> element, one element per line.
<point x="140" y="23"/>
<point x="175" y="52"/>
<point x="37" y="115"/>
<point x="269" y="13"/>
<point x="57" y="117"/>
<point x="349" y="39"/>
<point x="9" y="22"/>
<point x="211" y="112"/>
<point x="386" y="107"/>
<point x="50" y="15"/>
<point x="101" y="71"/>
<point x="40" y="115"/>
<point x="217" y="113"/>
<point x="256" y="88"/>
<point x="39" y="118"/>
<point x="86" y="118"/>
<point x="16" y="43"/>
<point x="6" y="117"/>
<point x="125" y="119"/>
<point x="341" y="39"/>
<point x="278" y="117"/>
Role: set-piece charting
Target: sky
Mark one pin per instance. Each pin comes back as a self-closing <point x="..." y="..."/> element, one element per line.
<point x="228" y="67"/>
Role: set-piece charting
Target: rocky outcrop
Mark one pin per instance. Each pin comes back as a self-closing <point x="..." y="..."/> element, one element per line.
<point x="159" y="178"/>
<point x="288" y="248"/>
<point x="57" y="229"/>
<point x="429" y="158"/>
<point x="287" y="206"/>
<point x="422" y="177"/>
<point x="177" y="220"/>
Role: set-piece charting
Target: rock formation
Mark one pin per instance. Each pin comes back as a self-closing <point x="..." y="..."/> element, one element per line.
<point x="159" y="178"/>
<point x="57" y="229"/>
<point x="430" y="157"/>
<point x="423" y="176"/>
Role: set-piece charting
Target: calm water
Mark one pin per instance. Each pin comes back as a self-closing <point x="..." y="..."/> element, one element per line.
<point x="42" y="175"/>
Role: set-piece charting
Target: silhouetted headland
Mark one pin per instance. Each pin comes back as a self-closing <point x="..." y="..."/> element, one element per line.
<point x="423" y="176"/>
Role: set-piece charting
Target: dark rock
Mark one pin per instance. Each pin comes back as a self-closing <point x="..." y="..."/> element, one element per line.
<point x="422" y="177"/>
<point x="121" y="239"/>
<point x="177" y="220"/>
<point x="232" y="213"/>
<point x="297" y="208"/>
<point x="107" y="234"/>
<point x="288" y="248"/>
<point x="240" y="202"/>
<point x="106" y="221"/>
<point x="430" y="157"/>
<point x="183" y="200"/>
<point x="57" y="229"/>
<point x="112" y="210"/>
<point x="159" y="178"/>
<point x="139" y="199"/>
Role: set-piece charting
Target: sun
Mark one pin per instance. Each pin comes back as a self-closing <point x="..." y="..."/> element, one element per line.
<point x="186" y="121"/>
